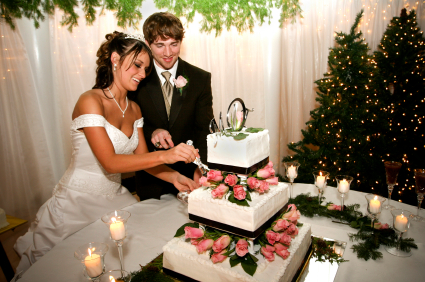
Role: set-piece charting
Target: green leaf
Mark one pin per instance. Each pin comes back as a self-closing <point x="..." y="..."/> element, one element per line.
<point x="254" y="130"/>
<point x="180" y="231"/>
<point x="235" y="260"/>
<point x="248" y="196"/>
<point x="240" y="136"/>
<point x="249" y="267"/>
<point x="232" y="199"/>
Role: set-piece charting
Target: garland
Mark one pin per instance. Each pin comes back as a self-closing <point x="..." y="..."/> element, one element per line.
<point x="216" y="14"/>
<point x="370" y="239"/>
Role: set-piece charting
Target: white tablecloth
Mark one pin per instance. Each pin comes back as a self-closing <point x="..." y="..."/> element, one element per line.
<point x="154" y="222"/>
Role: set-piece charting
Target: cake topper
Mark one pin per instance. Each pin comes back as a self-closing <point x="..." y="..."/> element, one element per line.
<point x="237" y="114"/>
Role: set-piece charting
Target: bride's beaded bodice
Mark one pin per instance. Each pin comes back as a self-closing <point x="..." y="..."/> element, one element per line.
<point x="85" y="173"/>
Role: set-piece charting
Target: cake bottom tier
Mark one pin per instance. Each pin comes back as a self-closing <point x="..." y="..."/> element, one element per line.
<point x="181" y="257"/>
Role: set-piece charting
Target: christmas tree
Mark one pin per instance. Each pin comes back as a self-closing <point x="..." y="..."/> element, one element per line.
<point x="401" y="64"/>
<point x="344" y="136"/>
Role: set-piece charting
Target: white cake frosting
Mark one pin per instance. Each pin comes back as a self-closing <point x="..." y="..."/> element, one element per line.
<point x="183" y="258"/>
<point x="262" y="207"/>
<point x="3" y="220"/>
<point x="241" y="153"/>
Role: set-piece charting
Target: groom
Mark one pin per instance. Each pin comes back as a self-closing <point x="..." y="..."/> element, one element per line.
<point x="176" y="102"/>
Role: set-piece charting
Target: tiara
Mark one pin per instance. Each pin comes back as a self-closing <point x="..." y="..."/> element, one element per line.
<point x="135" y="36"/>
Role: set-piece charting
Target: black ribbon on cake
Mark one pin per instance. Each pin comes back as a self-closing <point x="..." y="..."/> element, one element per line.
<point x="238" y="169"/>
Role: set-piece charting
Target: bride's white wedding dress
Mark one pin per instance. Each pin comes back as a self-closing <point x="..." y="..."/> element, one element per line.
<point x="84" y="193"/>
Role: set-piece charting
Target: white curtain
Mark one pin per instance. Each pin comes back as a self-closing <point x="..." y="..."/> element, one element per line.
<point x="43" y="72"/>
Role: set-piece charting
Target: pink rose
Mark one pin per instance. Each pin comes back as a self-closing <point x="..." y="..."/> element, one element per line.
<point x="231" y="179"/>
<point x="239" y="118"/>
<point x="270" y="164"/>
<point x="218" y="257"/>
<point x="203" y="181"/>
<point x="292" y="215"/>
<point x="268" y="252"/>
<point x="241" y="247"/>
<point x="221" y="243"/>
<point x="239" y="192"/>
<point x="193" y="233"/>
<point x="282" y="250"/>
<point x="264" y="173"/>
<point x="333" y="207"/>
<point x="253" y="183"/>
<point x="204" y="245"/>
<point x="214" y="175"/>
<point x="180" y="82"/>
<point x="194" y="241"/>
<point x="272" y="237"/>
<point x="385" y="226"/>
<point x="285" y="239"/>
<point x="272" y="180"/>
<point x="264" y="187"/>
<point x="291" y="207"/>
<point x="292" y="230"/>
<point x="379" y="225"/>
<point x="220" y="191"/>
<point x="281" y="224"/>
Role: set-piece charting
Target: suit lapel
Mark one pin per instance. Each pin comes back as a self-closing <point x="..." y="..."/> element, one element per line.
<point x="178" y="98"/>
<point x="154" y="90"/>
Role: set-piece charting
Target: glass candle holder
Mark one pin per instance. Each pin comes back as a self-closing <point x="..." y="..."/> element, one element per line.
<point x="320" y="178"/>
<point x="420" y="190"/>
<point x="391" y="172"/>
<point x="401" y="223"/>
<point x="291" y="173"/>
<point x="92" y="256"/>
<point x="343" y="186"/>
<point x="116" y="275"/>
<point x="374" y="206"/>
<point x="117" y="223"/>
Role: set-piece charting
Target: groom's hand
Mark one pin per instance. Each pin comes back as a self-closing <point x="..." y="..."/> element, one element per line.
<point x="161" y="138"/>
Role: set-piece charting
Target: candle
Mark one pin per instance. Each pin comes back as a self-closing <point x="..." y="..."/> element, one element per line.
<point x="93" y="264"/>
<point x="374" y="205"/>
<point x="320" y="181"/>
<point x="117" y="229"/>
<point x="343" y="186"/>
<point x="292" y="172"/>
<point x="401" y="223"/>
<point x="111" y="278"/>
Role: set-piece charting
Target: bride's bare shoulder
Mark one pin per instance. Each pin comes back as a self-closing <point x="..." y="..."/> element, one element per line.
<point x="90" y="102"/>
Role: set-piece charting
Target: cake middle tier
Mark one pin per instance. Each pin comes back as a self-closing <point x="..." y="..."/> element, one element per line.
<point x="240" y="220"/>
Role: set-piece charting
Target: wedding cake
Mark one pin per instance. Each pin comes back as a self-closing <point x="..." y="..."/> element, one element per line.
<point x="3" y="220"/>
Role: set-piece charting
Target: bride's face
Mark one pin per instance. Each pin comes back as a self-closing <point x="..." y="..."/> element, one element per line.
<point x="129" y="73"/>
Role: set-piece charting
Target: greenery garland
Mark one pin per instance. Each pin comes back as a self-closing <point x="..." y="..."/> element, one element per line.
<point x="216" y="14"/>
<point x="370" y="239"/>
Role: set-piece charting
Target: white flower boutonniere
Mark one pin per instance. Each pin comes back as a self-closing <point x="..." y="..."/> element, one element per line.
<point x="180" y="83"/>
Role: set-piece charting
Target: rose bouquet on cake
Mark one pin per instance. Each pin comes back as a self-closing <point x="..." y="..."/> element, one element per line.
<point x="222" y="245"/>
<point x="236" y="189"/>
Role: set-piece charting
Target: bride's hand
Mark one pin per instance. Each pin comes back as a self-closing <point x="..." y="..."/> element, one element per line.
<point x="180" y="153"/>
<point x="184" y="184"/>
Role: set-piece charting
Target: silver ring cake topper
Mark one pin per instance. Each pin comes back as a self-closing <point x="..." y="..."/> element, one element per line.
<point x="237" y="114"/>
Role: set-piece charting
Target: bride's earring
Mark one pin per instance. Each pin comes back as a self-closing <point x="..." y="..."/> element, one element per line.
<point x="115" y="67"/>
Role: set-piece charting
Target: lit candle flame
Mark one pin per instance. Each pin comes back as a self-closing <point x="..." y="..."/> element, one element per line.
<point x="89" y="251"/>
<point x="116" y="215"/>
<point x="111" y="278"/>
<point x="376" y="198"/>
<point x="320" y="173"/>
<point x="113" y="220"/>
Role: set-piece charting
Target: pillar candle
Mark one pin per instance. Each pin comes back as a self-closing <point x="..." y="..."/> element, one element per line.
<point x="320" y="181"/>
<point x="93" y="265"/>
<point x="343" y="186"/>
<point x="401" y="223"/>
<point x="117" y="229"/>
<point x="292" y="172"/>
<point x="374" y="205"/>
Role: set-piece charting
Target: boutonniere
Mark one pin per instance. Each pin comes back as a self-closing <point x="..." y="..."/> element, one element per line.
<point x="180" y="83"/>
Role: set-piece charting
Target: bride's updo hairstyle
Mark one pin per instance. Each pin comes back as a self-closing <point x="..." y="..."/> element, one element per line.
<point x="124" y="45"/>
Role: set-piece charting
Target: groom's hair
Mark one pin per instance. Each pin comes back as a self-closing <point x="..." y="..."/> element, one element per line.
<point x="163" y="25"/>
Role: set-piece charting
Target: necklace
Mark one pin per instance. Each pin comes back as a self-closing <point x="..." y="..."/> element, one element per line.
<point x="123" y="112"/>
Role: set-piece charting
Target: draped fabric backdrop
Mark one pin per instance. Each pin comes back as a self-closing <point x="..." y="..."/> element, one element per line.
<point x="43" y="71"/>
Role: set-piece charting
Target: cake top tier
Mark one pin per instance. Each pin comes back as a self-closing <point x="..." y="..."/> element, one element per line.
<point x="239" y="156"/>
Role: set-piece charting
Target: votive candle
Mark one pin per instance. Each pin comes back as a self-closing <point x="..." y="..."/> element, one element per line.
<point x="343" y="186"/>
<point x="374" y="205"/>
<point x="292" y="172"/>
<point x="320" y="181"/>
<point x="401" y="223"/>
<point x="93" y="264"/>
<point x="117" y="229"/>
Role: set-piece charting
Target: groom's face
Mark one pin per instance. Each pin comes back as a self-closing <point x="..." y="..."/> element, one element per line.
<point x="166" y="52"/>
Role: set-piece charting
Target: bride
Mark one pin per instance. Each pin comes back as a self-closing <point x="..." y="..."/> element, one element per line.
<point x="107" y="139"/>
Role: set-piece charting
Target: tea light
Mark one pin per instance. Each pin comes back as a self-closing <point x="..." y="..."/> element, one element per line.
<point x="93" y="264"/>
<point x="401" y="223"/>
<point x="374" y="205"/>
<point x="292" y="172"/>
<point x="117" y="229"/>
<point x="320" y="181"/>
<point x="343" y="186"/>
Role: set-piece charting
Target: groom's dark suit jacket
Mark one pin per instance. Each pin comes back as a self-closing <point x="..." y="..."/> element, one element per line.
<point x="190" y="115"/>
